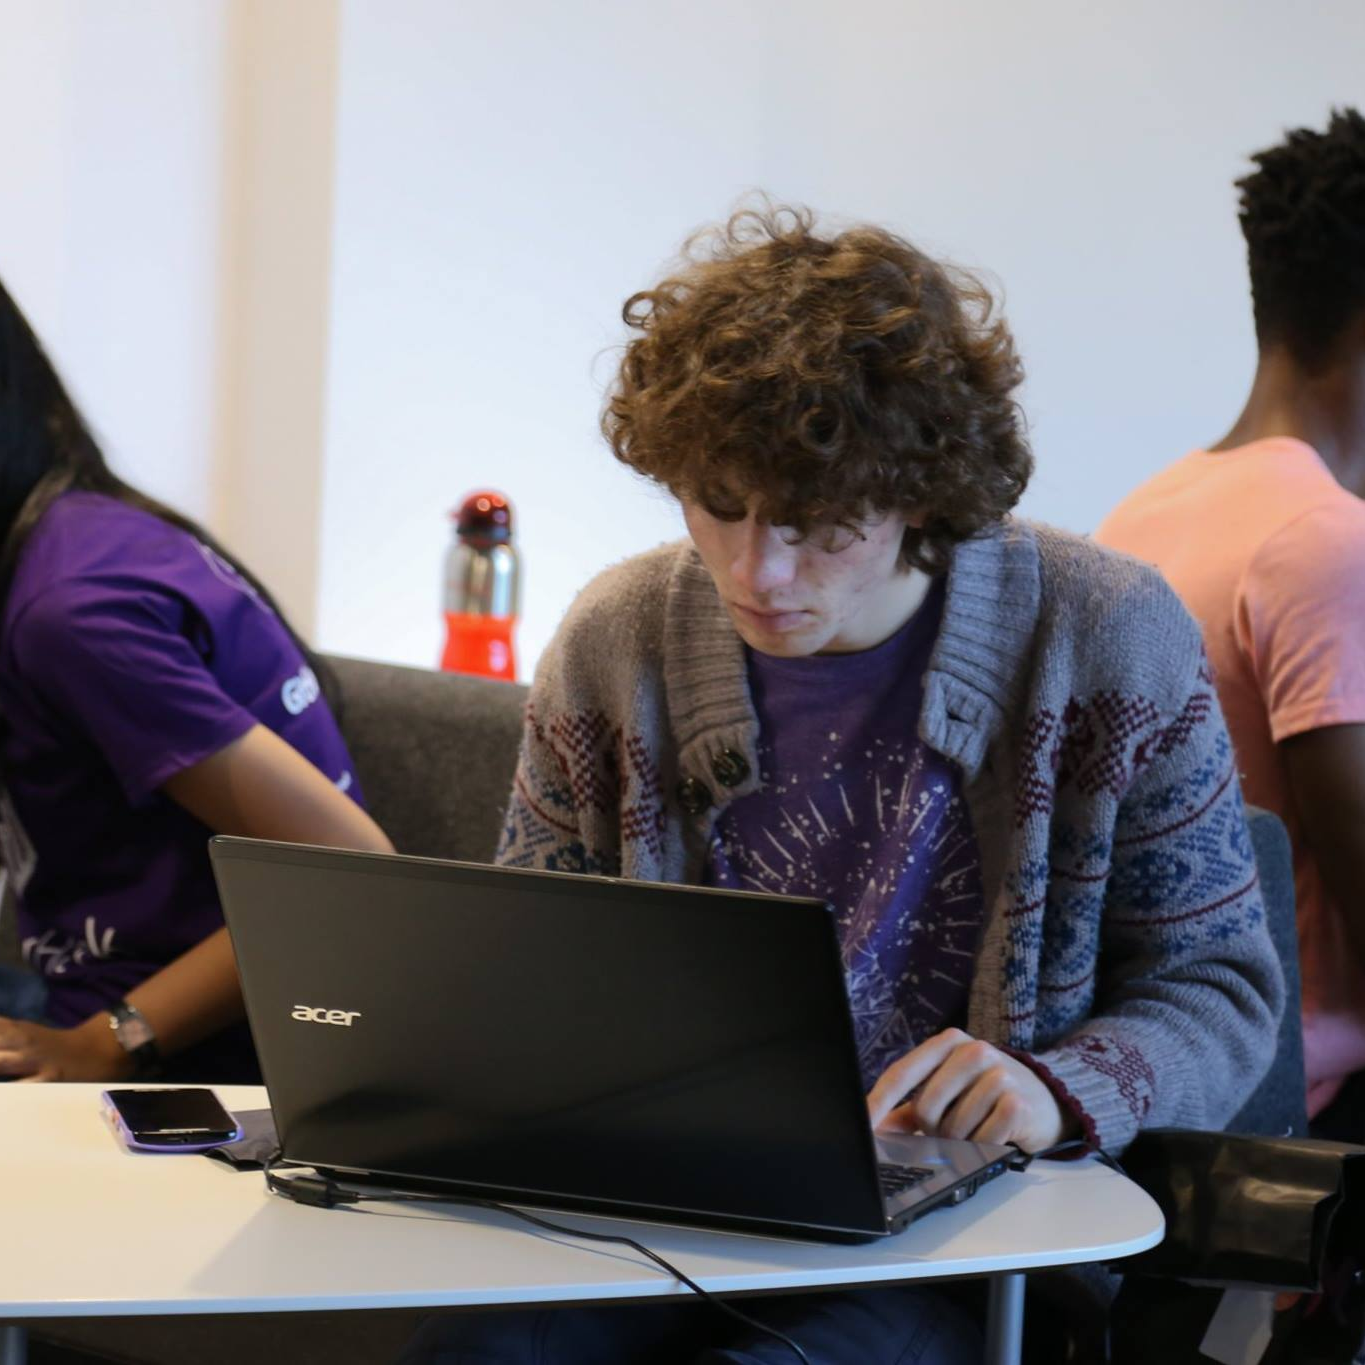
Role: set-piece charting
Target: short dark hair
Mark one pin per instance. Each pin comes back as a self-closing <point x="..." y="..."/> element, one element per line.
<point x="1303" y="216"/>
<point x="830" y="377"/>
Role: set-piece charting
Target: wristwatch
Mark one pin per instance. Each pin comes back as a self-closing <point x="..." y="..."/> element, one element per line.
<point x="136" y="1038"/>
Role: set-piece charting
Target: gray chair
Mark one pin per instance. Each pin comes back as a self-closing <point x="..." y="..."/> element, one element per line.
<point x="1276" y="1107"/>
<point x="435" y="753"/>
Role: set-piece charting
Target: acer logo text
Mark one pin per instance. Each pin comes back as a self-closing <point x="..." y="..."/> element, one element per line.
<point x="315" y="1014"/>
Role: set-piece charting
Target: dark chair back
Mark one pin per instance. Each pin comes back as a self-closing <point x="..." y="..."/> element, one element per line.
<point x="1276" y="1107"/>
<point x="435" y="753"/>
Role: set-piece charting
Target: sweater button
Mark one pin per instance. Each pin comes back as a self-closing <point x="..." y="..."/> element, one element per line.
<point x="729" y="768"/>
<point x="693" y="796"/>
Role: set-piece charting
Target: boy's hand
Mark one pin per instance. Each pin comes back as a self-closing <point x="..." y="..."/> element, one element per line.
<point x="953" y="1085"/>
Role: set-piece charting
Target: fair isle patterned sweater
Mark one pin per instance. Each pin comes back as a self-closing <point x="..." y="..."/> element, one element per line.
<point x="1124" y="949"/>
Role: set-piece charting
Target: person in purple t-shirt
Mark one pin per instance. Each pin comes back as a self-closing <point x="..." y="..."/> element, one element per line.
<point x="150" y="695"/>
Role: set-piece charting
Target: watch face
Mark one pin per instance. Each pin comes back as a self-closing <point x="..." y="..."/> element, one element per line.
<point x="133" y="1032"/>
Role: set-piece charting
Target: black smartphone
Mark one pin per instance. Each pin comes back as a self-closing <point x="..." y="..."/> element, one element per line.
<point x="179" y="1120"/>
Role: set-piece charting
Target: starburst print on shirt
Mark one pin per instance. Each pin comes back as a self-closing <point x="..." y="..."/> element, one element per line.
<point x="882" y="835"/>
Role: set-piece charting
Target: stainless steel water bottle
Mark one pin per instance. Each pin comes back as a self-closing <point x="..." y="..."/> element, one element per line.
<point x="482" y="589"/>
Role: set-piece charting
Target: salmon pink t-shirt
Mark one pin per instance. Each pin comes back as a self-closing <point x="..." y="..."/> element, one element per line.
<point x="1267" y="551"/>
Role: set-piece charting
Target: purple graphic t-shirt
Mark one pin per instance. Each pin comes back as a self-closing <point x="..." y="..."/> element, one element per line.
<point x="856" y="809"/>
<point x="129" y="651"/>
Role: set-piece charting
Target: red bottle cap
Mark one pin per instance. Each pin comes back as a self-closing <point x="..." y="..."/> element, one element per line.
<point x="484" y="518"/>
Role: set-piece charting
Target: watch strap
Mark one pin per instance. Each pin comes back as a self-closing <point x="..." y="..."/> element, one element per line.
<point x="135" y="1037"/>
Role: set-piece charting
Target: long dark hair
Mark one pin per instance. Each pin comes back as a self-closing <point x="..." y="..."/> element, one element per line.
<point x="46" y="450"/>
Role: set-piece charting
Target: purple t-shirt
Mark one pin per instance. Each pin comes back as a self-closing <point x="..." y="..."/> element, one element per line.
<point x="856" y="809"/>
<point x="129" y="651"/>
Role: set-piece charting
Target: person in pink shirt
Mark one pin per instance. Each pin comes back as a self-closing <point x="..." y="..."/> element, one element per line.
<point x="1263" y="536"/>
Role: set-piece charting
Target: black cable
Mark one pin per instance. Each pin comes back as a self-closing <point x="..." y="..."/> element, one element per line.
<point x="1023" y="1160"/>
<point x="324" y="1193"/>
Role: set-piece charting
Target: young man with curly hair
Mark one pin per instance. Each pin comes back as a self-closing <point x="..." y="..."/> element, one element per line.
<point x="992" y="748"/>
<point x="1263" y="535"/>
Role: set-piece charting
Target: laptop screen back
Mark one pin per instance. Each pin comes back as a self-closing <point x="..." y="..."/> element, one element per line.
<point x="649" y="1047"/>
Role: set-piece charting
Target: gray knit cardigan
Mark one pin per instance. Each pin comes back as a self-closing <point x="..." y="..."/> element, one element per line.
<point x="1124" y="950"/>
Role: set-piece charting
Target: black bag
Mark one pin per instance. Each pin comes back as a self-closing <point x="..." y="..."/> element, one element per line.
<point x="1277" y="1214"/>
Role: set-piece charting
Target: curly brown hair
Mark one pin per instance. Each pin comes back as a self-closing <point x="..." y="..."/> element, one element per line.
<point x="829" y="378"/>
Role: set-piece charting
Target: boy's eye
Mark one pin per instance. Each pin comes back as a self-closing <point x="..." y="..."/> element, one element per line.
<point x="833" y="539"/>
<point x="722" y="504"/>
<point x="830" y="538"/>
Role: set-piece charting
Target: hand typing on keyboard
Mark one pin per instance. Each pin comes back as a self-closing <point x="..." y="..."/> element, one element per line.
<point x="953" y="1085"/>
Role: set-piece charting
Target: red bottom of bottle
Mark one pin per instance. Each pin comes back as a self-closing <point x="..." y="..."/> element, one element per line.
<point x="481" y="645"/>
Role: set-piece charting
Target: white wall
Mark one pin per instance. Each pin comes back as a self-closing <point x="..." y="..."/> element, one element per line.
<point x="275" y="282"/>
<point x="506" y="175"/>
<point x="165" y="215"/>
<point x="110" y="197"/>
<point x="314" y="271"/>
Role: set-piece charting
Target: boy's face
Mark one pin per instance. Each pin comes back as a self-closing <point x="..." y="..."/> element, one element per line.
<point x="831" y="593"/>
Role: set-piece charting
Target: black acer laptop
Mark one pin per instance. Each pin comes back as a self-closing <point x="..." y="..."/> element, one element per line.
<point x="570" y="1042"/>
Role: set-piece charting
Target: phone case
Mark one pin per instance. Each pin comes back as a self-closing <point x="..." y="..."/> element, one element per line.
<point x="122" y="1131"/>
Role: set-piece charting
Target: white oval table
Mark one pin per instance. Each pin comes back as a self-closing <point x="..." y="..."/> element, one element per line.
<point x="194" y="1236"/>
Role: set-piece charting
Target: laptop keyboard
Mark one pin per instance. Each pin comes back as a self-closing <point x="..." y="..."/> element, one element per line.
<point x="897" y="1179"/>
